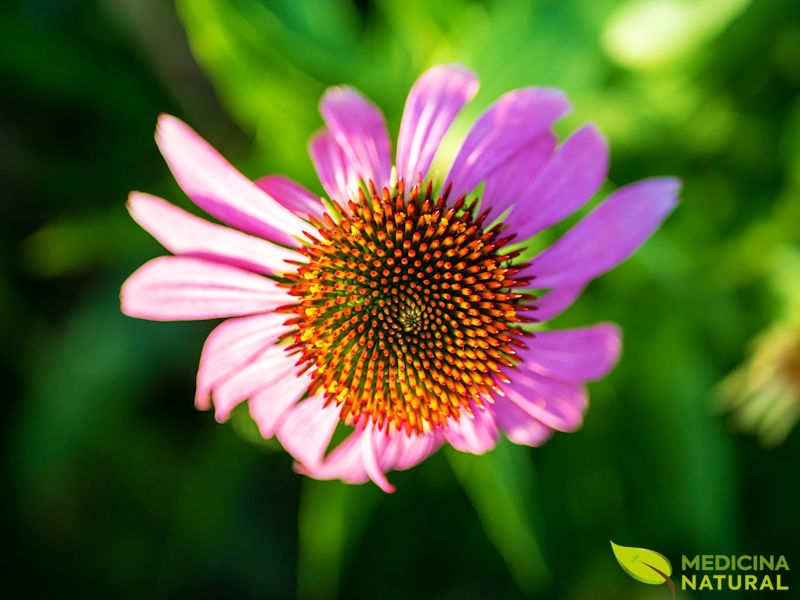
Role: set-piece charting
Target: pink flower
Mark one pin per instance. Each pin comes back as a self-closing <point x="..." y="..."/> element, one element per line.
<point x="394" y="309"/>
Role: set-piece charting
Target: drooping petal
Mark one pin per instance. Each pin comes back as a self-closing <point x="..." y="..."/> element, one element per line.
<point x="607" y="235"/>
<point x="557" y="404"/>
<point x="433" y="102"/>
<point x="292" y="195"/>
<point x="358" y="126"/>
<point x="519" y="426"/>
<point x="307" y="428"/>
<point x="183" y="233"/>
<point x="477" y="434"/>
<point x="583" y="354"/>
<point x="508" y="184"/>
<point x="268" y="407"/>
<point x="178" y="288"/>
<point x="219" y="189"/>
<point x="574" y="173"/>
<point x="267" y="369"/>
<point x="352" y="460"/>
<point x="231" y="346"/>
<point x="556" y="301"/>
<point x="338" y="176"/>
<point x="509" y="125"/>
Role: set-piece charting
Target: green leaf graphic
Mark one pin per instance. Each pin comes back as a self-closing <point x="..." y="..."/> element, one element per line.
<point x="642" y="564"/>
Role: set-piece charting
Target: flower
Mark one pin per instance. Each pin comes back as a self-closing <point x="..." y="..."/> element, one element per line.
<point x="392" y="306"/>
<point x="763" y="394"/>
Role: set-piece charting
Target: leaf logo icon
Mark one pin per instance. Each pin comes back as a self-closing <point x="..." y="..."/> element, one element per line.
<point x="644" y="565"/>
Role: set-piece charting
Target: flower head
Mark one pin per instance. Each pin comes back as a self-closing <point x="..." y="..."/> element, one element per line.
<point x="394" y="305"/>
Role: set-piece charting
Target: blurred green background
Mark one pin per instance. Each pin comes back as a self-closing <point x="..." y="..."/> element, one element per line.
<point x="117" y="487"/>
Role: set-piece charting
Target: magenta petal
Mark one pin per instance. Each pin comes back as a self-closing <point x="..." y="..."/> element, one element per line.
<point x="570" y="178"/>
<point x="607" y="235"/>
<point x="433" y="102"/>
<point x="292" y="195"/>
<point x="338" y="176"/>
<point x="231" y="346"/>
<point x="509" y="125"/>
<point x="268" y="407"/>
<point x="519" y="426"/>
<point x="508" y="184"/>
<point x="583" y="354"/>
<point x="476" y="434"/>
<point x="218" y="188"/>
<point x="358" y="127"/>
<point x="307" y="428"/>
<point x="185" y="234"/>
<point x="178" y="288"/>
<point x="556" y="301"/>
<point x="557" y="404"/>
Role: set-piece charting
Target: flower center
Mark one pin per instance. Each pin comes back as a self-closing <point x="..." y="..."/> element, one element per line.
<point x="406" y="309"/>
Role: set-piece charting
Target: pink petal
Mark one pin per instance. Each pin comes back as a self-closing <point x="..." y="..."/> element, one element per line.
<point x="345" y="462"/>
<point x="476" y="434"/>
<point x="508" y="184"/>
<point x="518" y="425"/>
<point x="219" y="189"/>
<point x="183" y="233"/>
<point x="266" y="370"/>
<point x="557" y="404"/>
<point x="556" y="301"/>
<point x="370" y="458"/>
<point x="571" y="177"/>
<point x="508" y="126"/>
<point x="337" y="174"/>
<point x="358" y="127"/>
<point x="578" y="355"/>
<point x="292" y="195"/>
<point x="268" y="407"/>
<point x="432" y="104"/>
<point x="607" y="235"/>
<point x="307" y="428"/>
<point x="177" y="288"/>
<point x="231" y="346"/>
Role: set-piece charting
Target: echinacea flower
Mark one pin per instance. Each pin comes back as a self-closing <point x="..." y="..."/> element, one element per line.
<point x="394" y="306"/>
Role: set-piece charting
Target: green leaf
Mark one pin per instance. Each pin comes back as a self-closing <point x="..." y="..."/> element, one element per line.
<point x="642" y="564"/>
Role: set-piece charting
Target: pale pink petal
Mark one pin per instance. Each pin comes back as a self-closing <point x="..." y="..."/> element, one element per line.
<point x="570" y="178"/>
<point x="183" y="233"/>
<point x="307" y="428"/>
<point x="432" y="104"/>
<point x="411" y="450"/>
<point x="519" y="426"/>
<point x="508" y="184"/>
<point x="583" y="354"/>
<point x="345" y="462"/>
<point x="370" y="458"/>
<point x="338" y="176"/>
<point x="219" y="189"/>
<point x="358" y="126"/>
<point x="556" y="301"/>
<point x="292" y="195"/>
<point x="476" y="434"/>
<point x="268" y="406"/>
<point x="268" y="368"/>
<point x="509" y="125"/>
<point x="607" y="235"/>
<point x="231" y="346"/>
<point x="557" y="404"/>
<point x="177" y="288"/>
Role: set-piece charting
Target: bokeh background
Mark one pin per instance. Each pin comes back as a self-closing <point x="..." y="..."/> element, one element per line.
<point x="117" y="487"/>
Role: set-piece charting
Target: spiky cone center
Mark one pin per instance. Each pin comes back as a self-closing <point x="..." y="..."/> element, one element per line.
<point x="407" y="309"/>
